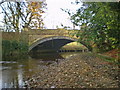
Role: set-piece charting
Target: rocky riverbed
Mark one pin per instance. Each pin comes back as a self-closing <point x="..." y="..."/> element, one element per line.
<point x="83" y="70"/>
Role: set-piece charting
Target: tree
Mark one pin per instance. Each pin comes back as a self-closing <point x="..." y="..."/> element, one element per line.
<point x="100" y="24"/>
<point x="20" y="14"/>
<point x="36" y="10"/>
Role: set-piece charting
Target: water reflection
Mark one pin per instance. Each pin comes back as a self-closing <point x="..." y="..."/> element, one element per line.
<point x="46" y="56"/>
<point x="69" y="54"/>
<point x="15" y="69"/>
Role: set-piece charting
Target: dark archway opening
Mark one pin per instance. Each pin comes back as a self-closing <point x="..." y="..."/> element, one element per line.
<point x="51" y="44"/>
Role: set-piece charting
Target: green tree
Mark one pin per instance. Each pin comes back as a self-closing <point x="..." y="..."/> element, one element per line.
<point x="100" y="24"/>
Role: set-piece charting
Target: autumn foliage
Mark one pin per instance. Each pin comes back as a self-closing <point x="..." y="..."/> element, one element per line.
<point x="113" y="53"/>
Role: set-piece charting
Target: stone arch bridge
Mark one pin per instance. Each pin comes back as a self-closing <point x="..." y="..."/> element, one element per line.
<point x="45" y="40"/>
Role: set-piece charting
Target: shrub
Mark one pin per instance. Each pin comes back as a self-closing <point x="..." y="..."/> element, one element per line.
<point x="10" y="47"/>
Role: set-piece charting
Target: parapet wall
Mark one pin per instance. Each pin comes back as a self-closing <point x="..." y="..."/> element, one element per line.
<point x="37" y="34"/>
<point x="32" y="35"/>
<point x="14" y="36"/>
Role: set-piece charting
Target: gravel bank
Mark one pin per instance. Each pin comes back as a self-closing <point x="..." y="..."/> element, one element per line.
<point x="84" y="70"/>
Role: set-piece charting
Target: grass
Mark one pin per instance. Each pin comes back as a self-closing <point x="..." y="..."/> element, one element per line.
<point x="108" y="59"/>
<point x="73" y="46"/>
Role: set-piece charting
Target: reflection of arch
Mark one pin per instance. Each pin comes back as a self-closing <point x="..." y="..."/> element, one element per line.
<point x="53" y="43"/>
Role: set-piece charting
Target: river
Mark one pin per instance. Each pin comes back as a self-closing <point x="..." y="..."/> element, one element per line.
<point x="16" y="68"/>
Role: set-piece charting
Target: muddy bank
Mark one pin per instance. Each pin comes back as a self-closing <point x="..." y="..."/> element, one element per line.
<point x="84" y="70"/>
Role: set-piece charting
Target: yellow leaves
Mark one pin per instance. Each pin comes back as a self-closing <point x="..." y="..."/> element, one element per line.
<point x="111" y="38"/>
<point x="94" y="45"/>
<point x="36" y="14"/>
<point x="35" y="6"/>
<point x="34" y="3"/>
<point x="36" y="10"/>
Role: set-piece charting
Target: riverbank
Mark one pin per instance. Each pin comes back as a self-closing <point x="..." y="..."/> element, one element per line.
<point x="115" y="53"/>
<point x="12" y="48"/>
<point x="84" y="70"/>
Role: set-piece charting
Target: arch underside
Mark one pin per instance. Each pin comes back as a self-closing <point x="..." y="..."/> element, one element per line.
<point x="50" y="44"/>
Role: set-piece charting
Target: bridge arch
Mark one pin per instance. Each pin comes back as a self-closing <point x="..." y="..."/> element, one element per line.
<point x="53" y="43"/>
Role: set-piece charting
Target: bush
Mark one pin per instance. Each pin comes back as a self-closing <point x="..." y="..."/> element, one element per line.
<point x="6" y="47"/>
<point x="10" y="47"/>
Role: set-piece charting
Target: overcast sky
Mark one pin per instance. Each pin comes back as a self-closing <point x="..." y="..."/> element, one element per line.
<point x="54" y="16"/>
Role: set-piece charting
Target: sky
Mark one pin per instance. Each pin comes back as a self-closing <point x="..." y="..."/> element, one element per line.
<point x="54" y="16"/>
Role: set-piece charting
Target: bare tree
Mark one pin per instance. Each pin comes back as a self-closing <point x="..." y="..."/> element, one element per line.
<point x="20" y="14"/>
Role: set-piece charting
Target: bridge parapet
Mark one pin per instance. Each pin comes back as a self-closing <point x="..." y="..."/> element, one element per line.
<point x="37" y="34"/>
<point x="48" y="32"/>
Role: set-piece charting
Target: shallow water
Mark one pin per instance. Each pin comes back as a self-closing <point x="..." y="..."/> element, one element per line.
<point x="16" y="68"/>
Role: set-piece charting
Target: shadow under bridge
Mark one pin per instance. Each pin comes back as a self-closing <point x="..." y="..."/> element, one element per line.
<point x="51" y="44"/>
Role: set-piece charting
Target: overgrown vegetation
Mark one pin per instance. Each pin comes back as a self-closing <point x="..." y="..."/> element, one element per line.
<point x="99" y="24"/>
<point x="13" y="47"/>
<point x="108" y="59"/>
